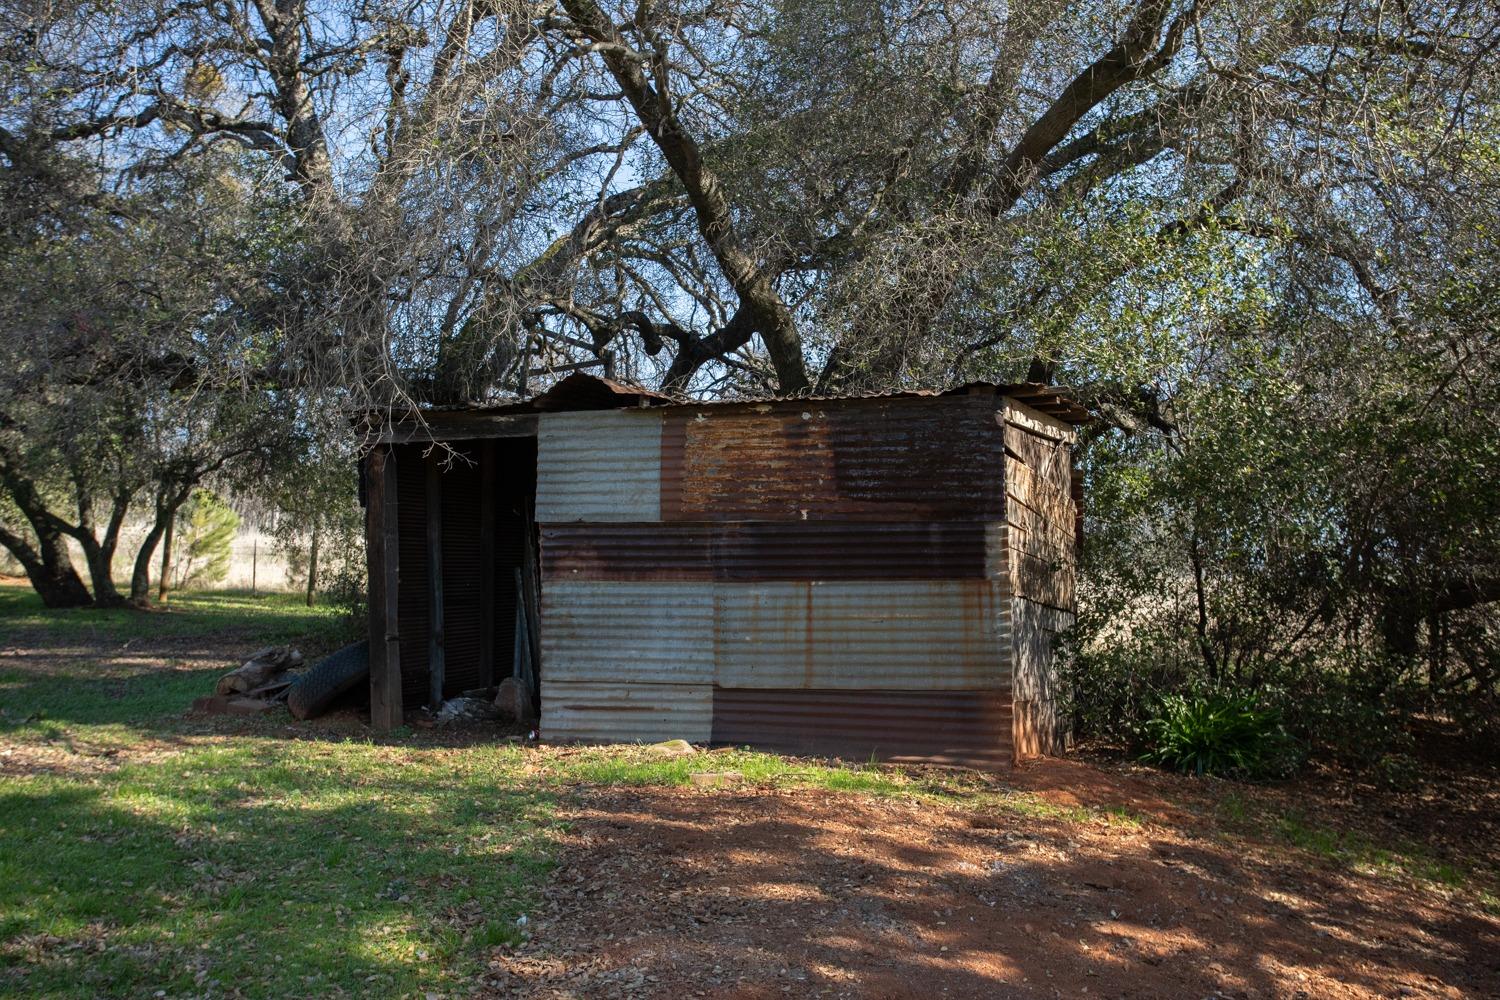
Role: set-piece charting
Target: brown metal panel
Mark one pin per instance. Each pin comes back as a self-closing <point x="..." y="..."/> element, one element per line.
<point x="765" y="550"/>
<point x="487" y="519"/>
<point x="918" y="458"/>
<point x="437" y="620"/>
<point x="957" y="727"/>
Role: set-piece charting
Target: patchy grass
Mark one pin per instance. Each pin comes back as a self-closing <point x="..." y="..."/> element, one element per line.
<point x="142" y="852"/>
<point x="280" y="868"/>
<point x="274" y="617"/>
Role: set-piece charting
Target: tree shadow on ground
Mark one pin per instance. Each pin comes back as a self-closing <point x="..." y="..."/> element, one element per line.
<point x="666" y="892"/>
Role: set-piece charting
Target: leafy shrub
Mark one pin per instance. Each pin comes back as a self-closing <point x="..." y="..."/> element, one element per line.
<point x="1227" y="735"/>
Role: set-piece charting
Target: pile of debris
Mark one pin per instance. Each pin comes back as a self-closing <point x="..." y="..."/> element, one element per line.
<point x="509" y="702"/>
<point x="255" y="686"/>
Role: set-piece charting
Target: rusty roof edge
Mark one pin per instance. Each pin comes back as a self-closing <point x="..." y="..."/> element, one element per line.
<point x="582" y="391"/>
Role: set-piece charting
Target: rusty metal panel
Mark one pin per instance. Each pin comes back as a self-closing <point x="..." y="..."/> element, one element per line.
<point x="653" y="633"/>
<point x="599" y="466"/>
<point x="916" y="635"/>
<point x="959" y="727"/>
<point x="625" y="711"/>
<point x="920" y="458"/>
<point x="767" y="550"/>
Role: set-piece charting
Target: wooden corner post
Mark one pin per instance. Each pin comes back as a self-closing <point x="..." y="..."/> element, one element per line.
<point x="383" y="550"/>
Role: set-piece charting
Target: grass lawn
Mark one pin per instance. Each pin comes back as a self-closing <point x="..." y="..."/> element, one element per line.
<point x="144" y="852"/>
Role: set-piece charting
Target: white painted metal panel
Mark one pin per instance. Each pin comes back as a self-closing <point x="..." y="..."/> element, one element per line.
<point x="599" y="466"/>
<point x="626" y="711"/>
<point x="647" y="631"/>
<point x="886" y="635"/>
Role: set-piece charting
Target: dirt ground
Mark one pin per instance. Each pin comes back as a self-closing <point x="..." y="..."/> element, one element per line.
<point x="668" y="892"/>
<point x="764" y="892"/>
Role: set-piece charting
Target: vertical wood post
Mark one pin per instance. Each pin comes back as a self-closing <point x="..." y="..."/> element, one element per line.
<point x="436" y="667"/>
<point x="382" y="547"/>
<point x="487" y="516"/>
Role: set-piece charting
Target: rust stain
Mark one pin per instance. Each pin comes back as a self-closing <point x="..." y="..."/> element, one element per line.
<point x="859" y="459"/>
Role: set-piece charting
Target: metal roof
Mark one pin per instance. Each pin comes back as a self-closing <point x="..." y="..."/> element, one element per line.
<point x="581" y="391"/>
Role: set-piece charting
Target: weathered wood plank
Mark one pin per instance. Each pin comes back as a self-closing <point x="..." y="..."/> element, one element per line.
<point x="1038" y="725"/>
<point x="1050" y="460"/>
<point x="460" y="427"/>
<point x="436" y="667"/>
<point x="1028" y="489"/>
<point x="1034" y="420"/>
<point x="383" y="556"/>
<point x="1037" y="535"/>
<point x="1049" y="583"/>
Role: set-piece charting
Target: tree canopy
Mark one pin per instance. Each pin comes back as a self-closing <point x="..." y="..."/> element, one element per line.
<point x="1257" y="236"/>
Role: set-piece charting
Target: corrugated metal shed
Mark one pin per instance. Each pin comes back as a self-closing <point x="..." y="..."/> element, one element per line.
<point x="857" y="576"/>
<point x="836" y="572"/>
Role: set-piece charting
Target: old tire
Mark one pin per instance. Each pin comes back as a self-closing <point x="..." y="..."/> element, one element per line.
<point x="322" y="683"/>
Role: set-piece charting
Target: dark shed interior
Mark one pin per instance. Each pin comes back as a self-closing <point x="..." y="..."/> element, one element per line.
<point x="483" y="492"/>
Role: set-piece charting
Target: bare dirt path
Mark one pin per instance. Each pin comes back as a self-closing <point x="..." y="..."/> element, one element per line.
<point x="669" y="892"/>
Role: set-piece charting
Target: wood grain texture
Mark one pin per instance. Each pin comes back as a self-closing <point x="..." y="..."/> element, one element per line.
<point x="382" y="537"/>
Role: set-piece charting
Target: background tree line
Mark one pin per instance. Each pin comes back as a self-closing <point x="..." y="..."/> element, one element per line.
<point x="1258" y="237"/>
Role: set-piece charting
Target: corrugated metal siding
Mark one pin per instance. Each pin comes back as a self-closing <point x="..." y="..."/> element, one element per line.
<point x="627" y="632"/>
<point x="916" y="635"/>
<point x="601" y="466"/>
<point x="766" y="550"/>
<point x="838" y="570"/>
<point x="412" y="596"/>
<point x="865" y="459"/>
<point x="961" y="727"/>
<point x="461" y="514"/>
<point x="461" y="555"/>
<point x="626" y="711"/>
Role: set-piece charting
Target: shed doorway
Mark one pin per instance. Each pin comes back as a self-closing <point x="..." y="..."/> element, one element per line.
<point x="467" y="554"/>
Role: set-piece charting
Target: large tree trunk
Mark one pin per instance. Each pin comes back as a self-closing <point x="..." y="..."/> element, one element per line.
<point x="101" y="563"/>
<point x="166" y="513"/>
<point x="140" y="577"/>
<point x="49" y="568"/>
<point x="164" y="584"/>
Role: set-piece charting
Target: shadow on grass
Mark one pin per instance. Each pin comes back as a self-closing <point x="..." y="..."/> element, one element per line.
<point x="276" y="872"/>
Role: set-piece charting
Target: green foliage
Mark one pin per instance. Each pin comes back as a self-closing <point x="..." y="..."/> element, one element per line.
<point x="1225" y="735"/>
<point x="207" y="538"/>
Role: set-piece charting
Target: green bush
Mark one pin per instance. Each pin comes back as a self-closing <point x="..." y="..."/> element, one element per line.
<point x="1229" y="736"/>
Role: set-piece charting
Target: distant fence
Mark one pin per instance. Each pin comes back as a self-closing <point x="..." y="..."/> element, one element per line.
<point x="254" y="562"/>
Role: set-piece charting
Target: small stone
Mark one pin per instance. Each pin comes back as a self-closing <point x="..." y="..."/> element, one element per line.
<point x="672" y="748"/>
<point x="514" y="703"/>
<point x="711" y="779"/>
